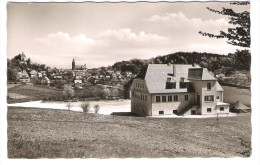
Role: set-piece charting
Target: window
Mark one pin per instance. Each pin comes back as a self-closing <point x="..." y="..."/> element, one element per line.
<point x="209" y="110"/>
<point x="183" y="84"/>
<point x="163" y="98"/>
<point x="174" y="111"/>
<point x="208" y="86"/>
<point x="158" y="99"/>
<point x="209" y="98"/>
<point x="143" y="110"/>
<point x="161" y="112"/>
<point x="175" y="98"/>
<point x="136" y="85"/>
<point x="145" y="98"/>
<point x="170" y="85"/>
<point x="217" y="97"/>
<point x="186" y="97"/>
<point x="221" y="108"/>
<point x="169" y="98"/>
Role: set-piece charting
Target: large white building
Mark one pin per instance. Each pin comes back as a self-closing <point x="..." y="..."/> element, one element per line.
<point x="166" y="89"/>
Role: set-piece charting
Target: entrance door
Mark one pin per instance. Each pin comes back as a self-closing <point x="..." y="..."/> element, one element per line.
<point x="198" y="99"/>
<point x="193" y="112"/>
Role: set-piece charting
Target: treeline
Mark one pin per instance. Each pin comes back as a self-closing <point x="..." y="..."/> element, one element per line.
<point x="135" y="65"/>
<point x="225" y="64"/>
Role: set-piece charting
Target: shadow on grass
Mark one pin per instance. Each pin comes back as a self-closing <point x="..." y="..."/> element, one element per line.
<point x="124" y="114"/>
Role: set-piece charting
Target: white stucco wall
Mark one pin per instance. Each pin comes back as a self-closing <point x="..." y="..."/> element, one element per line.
<point x="138" y="106"/>
<point x="168" y="107"/>
<point x="201" y="89"/>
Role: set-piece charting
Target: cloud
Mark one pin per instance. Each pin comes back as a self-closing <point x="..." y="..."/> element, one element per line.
<point x="180" y="20"/>
<point x="127" y="35"/>
<point x="107" y="46"/>
<point x="105" y="38"/>
<point x="61" y="37"/>
<point x="185" y="31"/>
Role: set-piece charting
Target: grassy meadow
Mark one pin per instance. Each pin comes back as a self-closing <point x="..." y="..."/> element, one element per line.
<point x="234" y="94"/>
<point x="38" y="133"/>
<point x="27" y="92"/>
<point x="46" y="133"/>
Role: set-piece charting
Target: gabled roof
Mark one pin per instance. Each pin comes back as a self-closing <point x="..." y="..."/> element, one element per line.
<point x="240" y="105"/>
<point x="33" y="72"/>
<point x="156" y="77"/>
<point x="219" y="88"/>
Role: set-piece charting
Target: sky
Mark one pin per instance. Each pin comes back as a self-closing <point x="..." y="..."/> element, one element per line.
<point x="100" y="34"/>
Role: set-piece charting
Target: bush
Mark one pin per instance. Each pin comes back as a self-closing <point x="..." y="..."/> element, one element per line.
<point x="96" y="108"/>
<point x="85" y="107"/>
<point x="69" y="105"/>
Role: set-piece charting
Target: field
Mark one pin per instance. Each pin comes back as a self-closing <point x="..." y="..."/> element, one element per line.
<point x="46" y="133"/>
<point x="37" y="133"/>
<point x="234" y="94"/>
<point x="25" y="92"/>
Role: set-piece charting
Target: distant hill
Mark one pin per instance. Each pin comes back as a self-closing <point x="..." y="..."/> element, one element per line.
<point x="216" y="63"/>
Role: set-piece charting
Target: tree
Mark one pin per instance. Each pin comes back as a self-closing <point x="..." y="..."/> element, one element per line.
<point x="157" y="61"/>
<point x="68" y="91"/>
<point x="240" y="34"/>
<point x="242" y="59"/>
<point x="85" y="107"/>
<point x="12" y="74"/>
<point x="106" y="93"/>
<point x="96" y="108"/>
<point x="69" y="105"/>
<point x="29" y="61"/>
<point x="36" y="81"/>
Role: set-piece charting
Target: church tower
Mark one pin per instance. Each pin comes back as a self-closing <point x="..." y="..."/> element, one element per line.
<point x="73" y="64"/>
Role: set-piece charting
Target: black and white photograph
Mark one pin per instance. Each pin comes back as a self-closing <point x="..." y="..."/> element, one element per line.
<point x="128" y="80"/>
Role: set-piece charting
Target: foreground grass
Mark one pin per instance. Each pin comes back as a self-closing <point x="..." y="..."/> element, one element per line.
<point x="36" y="133"/>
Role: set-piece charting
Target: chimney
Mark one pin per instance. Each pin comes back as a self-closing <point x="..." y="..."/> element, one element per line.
<point x="194" y="65"/>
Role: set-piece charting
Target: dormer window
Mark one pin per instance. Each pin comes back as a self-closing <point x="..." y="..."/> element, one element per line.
<point x="170" y="85"/>
<point x="184" y="84"/>
<point x="208" y="86"/>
